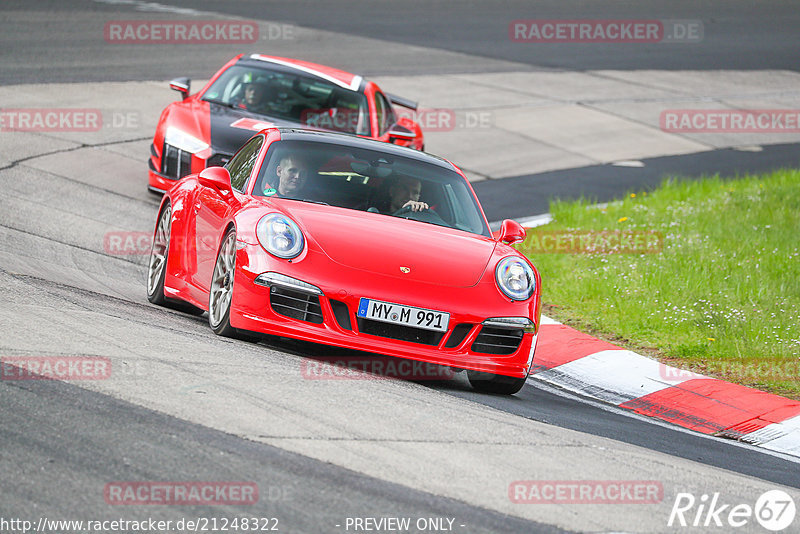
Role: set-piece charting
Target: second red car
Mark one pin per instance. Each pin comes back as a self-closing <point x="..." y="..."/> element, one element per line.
<point x="254" y="92"/>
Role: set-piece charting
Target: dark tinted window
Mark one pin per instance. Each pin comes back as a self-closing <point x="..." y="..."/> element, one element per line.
<point x="368" y="180"/>
<point x="291" y="96"/>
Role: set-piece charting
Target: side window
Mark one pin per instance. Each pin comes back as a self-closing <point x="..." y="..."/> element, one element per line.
<point x="385" y="113"/>
<point x="241" y="165"/>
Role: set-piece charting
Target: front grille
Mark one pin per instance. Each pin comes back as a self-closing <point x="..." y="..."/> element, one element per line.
<point x="295" y="304"/>
<point x="175" y="163"/>
<point x="399" y="332"/>
<point x="497" y="340"/>
<point x="218" y="160"/>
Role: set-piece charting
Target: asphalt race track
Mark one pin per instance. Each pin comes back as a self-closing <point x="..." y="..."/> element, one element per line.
<point x="185" y="405"/>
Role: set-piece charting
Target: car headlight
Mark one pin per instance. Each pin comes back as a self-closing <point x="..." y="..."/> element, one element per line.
<point x="183" y="141"/>
<point x="280" y="236"/>
<point x="515" y="278"/>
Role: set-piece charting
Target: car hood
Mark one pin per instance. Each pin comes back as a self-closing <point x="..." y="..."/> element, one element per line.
<point x="231" y="128"/>
<point x="388" y="245"/>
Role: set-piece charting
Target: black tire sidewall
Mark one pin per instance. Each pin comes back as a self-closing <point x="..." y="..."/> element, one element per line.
<point x="495" y="384"/>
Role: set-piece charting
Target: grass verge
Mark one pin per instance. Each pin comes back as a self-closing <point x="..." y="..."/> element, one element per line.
<point x="704" y="275"/>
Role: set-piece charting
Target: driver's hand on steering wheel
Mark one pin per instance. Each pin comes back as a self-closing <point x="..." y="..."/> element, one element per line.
<point x="415" y="205"/>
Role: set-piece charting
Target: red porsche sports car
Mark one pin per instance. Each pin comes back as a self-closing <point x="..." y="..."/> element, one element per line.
<point x="350" y="242"/>
<point x="254" y="92"/>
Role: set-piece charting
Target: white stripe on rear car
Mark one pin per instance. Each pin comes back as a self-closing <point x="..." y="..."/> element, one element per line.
<point x="353" y="86"/>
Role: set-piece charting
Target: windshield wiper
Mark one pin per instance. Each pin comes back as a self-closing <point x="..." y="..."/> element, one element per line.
<point x="308" y="200"/>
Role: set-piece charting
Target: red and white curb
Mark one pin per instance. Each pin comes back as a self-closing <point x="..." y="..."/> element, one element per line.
<point x="578" y="362"/>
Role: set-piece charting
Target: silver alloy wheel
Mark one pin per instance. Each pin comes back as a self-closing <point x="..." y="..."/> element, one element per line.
<point x="159" y="250"/>
<point x="222" y="280"/>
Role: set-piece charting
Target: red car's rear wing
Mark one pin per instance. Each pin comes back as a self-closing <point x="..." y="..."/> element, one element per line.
<point x="400" y="101"/>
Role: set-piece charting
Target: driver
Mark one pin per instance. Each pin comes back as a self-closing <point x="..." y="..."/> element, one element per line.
<point x="292" y="172"/>
<point x="405" y="193"/>
<point x="254" y="97"/>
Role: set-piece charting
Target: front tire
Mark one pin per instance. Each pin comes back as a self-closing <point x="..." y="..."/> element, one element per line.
<point x="495" y="384"/>
<point x="221" y="289"/>
<point x="220" y="293"/>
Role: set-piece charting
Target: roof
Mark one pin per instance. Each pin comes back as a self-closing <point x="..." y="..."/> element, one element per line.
<point x="298" y="134"/>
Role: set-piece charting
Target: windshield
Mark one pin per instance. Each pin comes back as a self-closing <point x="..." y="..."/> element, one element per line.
<point x="302" y="99"/>
<point x="369" y="180"/>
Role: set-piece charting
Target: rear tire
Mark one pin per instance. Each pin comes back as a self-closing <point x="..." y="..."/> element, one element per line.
<point x="495" y="384"/>
<point x="159" y="251"/>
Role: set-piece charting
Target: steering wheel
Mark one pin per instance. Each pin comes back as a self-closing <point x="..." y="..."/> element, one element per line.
<point x="406" y="210"/>
<point x="426" y="215"/>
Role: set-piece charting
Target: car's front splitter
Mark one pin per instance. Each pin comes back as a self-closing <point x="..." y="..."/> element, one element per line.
<point x="252" y="309"/>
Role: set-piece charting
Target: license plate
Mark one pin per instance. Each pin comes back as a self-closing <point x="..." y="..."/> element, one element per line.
<point x="388" y="312"/>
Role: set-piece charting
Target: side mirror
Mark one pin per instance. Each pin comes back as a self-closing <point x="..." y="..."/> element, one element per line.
<point x="181" y="85"/>
<point x="511" y="232"/>
<point x="217" y="177"/>
<point x="397" y="132"/>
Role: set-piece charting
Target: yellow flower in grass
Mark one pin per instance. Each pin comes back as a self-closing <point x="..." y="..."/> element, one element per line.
<point x="711" y="339"/>
<point x="633" y="195"/>
<point x="622" y="219"/>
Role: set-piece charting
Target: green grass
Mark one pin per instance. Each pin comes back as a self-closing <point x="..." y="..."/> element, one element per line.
<point x="721" y="298"/>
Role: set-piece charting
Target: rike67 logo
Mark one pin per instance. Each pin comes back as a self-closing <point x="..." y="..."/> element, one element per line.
<point x="774" y="510"/>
